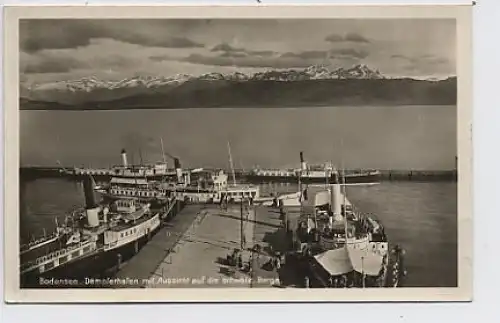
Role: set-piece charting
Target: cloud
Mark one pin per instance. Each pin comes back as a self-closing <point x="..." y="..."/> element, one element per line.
<point x="310" y="54"/>
<point x="349" y="37"/>
<point x="173" y="42"/>
<point x="426" y="63"/>
<point x="225" y="47"/>
<point x="422" y="59"/>
<point x="262" y="52"/>
<point x="114" y="61"/>
<point x="230" y="51"/>
<point x="270" y="59"/>
<point x="349" y="52"/>
<point x="51" y="64"/>
<point x="37" y="35"/>
<point x="357" y="38"/>
<point x="161" y="58"/>
<point x="233" y="54"/>
<point x="333" y="38"/>
<point x="333" y="53"/>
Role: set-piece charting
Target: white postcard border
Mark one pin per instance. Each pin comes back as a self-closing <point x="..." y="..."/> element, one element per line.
<point x="462" y="13"/>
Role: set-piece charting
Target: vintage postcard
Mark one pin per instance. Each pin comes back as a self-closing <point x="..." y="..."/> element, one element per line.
<point x="244" y="153"/>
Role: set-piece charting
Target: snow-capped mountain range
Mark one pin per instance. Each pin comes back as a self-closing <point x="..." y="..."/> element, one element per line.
<point x="317" y="85"/>
<point x="316" y="72"/>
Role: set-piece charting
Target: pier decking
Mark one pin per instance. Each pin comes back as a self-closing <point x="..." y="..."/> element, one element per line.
<point x="192" y="251"/>
<point x="199" y="257"/>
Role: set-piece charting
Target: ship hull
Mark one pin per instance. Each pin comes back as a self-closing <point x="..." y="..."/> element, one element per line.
<point x="83" y="272"/>
<point x="349" y="179"/>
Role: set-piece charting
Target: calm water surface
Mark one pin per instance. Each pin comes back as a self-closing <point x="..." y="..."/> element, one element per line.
<point x="420" y="216"/>
<point x="410" y="137"/>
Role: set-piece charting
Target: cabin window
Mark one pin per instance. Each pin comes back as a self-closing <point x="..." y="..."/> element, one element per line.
<point x="86" y="249"/>
<point x="121" y="235"/>
<point x="62" y="260"/>
<point x="49" y="265"/>
<point x="75" y="254"/>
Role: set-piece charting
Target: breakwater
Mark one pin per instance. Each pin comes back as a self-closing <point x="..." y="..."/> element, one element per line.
<point x="28" y="173"/>
<point x="418" y="175"/>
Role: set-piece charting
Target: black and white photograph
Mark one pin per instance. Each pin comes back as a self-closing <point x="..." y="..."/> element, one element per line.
<point x="239" y="152"/>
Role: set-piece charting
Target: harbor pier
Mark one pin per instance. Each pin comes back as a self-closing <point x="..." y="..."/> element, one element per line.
<point x="193" y="251"/>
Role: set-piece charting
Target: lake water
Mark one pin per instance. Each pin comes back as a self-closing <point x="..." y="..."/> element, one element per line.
<point x="422" y="217"/>
<point x="410" y="137"/>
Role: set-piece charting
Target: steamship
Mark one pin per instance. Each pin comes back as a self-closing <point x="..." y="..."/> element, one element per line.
<point x="95" y="238"/>
<point x="211" y="187"/>
<point x="207" y="187"/>
<point x="341" y="247"/>
<point x="151" y="172"/>
<point x="309" y="174"/>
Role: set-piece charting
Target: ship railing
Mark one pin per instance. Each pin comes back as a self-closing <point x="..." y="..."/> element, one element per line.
<point x="38" y="241"/>
<point x="55" y="254"/>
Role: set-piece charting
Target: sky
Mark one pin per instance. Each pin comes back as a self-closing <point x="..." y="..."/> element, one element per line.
<point x="112" y="49"/>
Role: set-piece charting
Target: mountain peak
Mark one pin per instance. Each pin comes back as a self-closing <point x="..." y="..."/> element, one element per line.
<point x="91" y="88"/>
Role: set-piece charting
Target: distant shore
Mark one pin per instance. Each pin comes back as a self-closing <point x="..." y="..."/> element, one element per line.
<point x="34" y="172"/>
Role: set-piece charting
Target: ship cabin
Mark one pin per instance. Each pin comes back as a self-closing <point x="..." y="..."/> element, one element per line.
<point x="140" y="170"/>
<point x="131" y="221"/>
<point x="123" y="182"/>
<point x="135" y="188"/>
<point x="275" y="172"/>
<point x="237" y="192"/>
<point x="328" y="221"/>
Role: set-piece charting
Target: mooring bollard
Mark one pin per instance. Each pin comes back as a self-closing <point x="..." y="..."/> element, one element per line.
<point x="119" y="261"/>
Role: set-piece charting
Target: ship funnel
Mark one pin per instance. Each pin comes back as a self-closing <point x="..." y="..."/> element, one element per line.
<point x="303" y="165"/>
<point x="336" y="203"/>
<point x="91" y="207"/>
<point x="178" y="169"/>
<point x="124" y="158"/>
<point x="88" y="189"/>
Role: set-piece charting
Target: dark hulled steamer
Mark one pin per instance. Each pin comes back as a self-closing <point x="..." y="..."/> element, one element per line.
<point x="337" y="246"/>
<point x="92" y="240"/>
<point x="309" y="174"/>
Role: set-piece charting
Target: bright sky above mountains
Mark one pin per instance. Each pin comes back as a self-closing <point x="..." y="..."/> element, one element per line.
<point x="55" y="50"/>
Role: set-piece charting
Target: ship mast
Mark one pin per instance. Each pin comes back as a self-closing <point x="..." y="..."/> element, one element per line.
<point x="231" y="162"/>
<point x="163" y="152"/>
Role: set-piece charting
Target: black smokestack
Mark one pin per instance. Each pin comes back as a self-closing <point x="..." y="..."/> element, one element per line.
<point x="88" y="189"/>
<point x="124" y="158"/>
<point x="336" y="177"/>
<point x="177" y="163"/>
<point x="301" y="157"/>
